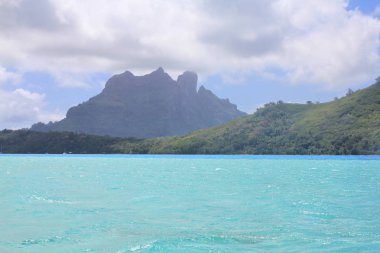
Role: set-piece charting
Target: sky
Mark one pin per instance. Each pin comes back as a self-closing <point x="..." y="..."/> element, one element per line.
<point x="55" y="54"/>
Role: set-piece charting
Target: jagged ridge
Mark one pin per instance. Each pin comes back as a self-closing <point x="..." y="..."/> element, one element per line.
<point x="152" y="105"/>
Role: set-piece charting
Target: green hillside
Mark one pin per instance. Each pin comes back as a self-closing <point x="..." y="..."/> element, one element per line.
<point x="350" y="125"/>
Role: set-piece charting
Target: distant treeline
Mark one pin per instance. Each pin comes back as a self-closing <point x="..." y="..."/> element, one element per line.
<point x="25" y="141"/>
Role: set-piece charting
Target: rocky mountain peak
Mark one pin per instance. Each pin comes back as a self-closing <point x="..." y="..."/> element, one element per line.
<point x="160" y="70"/>
<point x="151" y="105"/>
<point x="188" y="81"/>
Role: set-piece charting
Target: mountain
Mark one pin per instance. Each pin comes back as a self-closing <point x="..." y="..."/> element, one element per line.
<point x="146" y="106"/>
<point x="350" y="125"/>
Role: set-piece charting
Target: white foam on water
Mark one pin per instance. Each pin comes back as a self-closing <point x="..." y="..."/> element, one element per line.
<point x="313" y="213"/>
<point x="51" y="201"/>
<point x="140" y="247"/>
<point x="31" y="242"/>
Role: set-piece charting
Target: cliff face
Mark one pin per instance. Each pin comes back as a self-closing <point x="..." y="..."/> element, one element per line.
<point x="147" y="106"/>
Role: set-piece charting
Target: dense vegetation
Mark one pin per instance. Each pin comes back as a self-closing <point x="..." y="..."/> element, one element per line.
<point x="350" y="125"/>
<point x="24" y="141"/>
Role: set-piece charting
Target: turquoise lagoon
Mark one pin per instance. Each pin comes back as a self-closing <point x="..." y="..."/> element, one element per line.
<point x="137" y="203"/>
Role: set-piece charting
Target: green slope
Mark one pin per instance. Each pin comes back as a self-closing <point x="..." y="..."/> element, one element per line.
<point x="350" y="125"/>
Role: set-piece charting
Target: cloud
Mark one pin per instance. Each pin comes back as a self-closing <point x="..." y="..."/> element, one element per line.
<point x="9" y="76"/>
<point x="21" y="14"/>
<point x="318" y="42"/>
<point x="21" y="108"/>
<point x="339" y="48"/>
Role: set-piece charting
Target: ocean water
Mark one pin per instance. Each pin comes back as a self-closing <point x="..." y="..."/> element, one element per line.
<point x="119" y="204"/>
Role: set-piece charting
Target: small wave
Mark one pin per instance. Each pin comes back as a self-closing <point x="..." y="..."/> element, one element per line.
<point x="319" y="214"/>
<point x="51" y="201"/>
<point x="32" y="242"/>
<point x="221" y="169"/>
<point x="242" y="239"/>
<point x="140" y="247"/>
<point x="143" y="198"/>
<point x="196" y="241"/>
<point x="312" y="213"/>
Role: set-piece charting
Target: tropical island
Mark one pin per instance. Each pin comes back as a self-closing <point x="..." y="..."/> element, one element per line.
<point x="259" y="133"/>
<point x="176" y="118"/>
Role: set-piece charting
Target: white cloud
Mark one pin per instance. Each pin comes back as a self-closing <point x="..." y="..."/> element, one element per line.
<point x="9" y="76"/>
<point x="319" y="42"/>
<point x="21" y="108"/>
<point x="336" y="48"/>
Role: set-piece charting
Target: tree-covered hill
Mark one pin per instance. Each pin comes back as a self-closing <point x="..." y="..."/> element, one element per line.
<point x="350" y="125"/>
